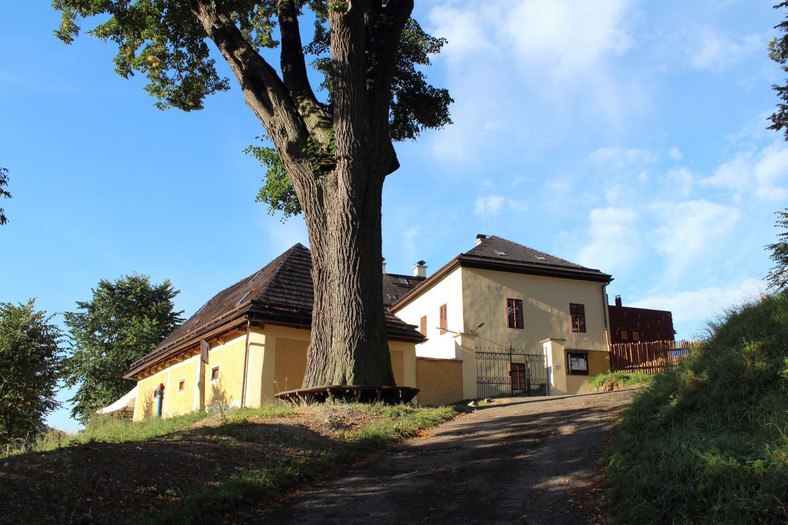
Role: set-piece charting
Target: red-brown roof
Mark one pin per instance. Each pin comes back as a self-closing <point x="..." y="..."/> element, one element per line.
<point x="495" y="253"/>
<point x="279" y="293"/>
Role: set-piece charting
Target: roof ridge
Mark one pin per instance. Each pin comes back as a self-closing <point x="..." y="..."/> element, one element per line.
<point x="284" y="261"/>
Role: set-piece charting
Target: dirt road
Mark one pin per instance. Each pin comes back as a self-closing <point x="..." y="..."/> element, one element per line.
<point x="520" y="460"/>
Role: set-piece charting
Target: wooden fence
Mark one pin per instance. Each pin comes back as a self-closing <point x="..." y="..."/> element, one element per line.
<point x="648" y="357"/>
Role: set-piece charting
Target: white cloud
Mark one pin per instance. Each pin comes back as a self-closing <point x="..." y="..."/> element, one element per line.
<point x="675" y="153"/>
<point x="709" y="49"/>
<point x="464" y="30"/>
<point x="608" y="157"/>
<point x="540" y="31"/>
<point x="494" y="205"/>
<point x="682" y="182"/>
<point x="763" y="173"/>
<point x="614" y="242"/>
<point x="704" y="303"/>
<point x="690" y="231"/>
<point x="491" y="204"/>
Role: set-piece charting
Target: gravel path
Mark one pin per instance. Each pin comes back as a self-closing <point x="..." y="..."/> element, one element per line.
<point x="520" y="460"/>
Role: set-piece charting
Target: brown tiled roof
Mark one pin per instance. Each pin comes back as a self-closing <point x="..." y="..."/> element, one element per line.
<point x="279" y="293"/>
<point x="495" y="253"/>
<point x="396" y="285"/>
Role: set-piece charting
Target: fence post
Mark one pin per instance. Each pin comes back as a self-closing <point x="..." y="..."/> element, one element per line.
<point x="511" y="377"/>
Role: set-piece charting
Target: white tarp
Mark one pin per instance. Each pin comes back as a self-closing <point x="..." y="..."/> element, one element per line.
<point x="125" y="402"/>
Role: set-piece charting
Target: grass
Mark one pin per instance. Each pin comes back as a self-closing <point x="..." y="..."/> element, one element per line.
<point x="109" y="429"/>
<point x="614" y="380"/>
<point x="707" y="441"/>
<point x="241" y="490"/>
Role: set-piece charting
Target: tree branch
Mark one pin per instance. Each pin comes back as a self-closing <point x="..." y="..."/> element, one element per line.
<point x="294" y="73"/>
<point x="264" y="92"/>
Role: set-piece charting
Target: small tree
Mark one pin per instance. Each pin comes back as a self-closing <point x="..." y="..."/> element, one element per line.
<point x="778" y="51"/>
<point x="30" y="365"/>
<point x="3" y="193"/>
<point x="123" y="322"/>
<point x="778" y="276"/>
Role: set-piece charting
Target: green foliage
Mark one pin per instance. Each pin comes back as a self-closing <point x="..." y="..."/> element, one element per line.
<point x="613" y="380"/>
<point x="124" y="321"/>
<point x="3" y="193"/>
<point x="707" y="441"/>
<point x="778" y="51"/>
<point x="276" y="192"/>
<point x="30" y="365"/>
<point x="778" y="276"/>
<point x="164" y="40"/>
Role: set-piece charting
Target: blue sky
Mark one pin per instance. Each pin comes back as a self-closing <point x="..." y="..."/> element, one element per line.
<point x="624" y="135"/>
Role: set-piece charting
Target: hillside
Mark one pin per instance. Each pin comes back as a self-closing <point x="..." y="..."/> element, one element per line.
<point x="708" y="440"/>
<point x="199" y="467"/>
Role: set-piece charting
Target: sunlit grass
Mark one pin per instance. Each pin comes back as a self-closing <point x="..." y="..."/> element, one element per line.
<point x="707" y="441"/>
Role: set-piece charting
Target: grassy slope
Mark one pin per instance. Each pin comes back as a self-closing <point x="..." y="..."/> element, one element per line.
<point x="708" y="440"/>
<point x="282" y="455"/>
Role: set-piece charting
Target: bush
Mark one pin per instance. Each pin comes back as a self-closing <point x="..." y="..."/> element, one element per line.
<point x="707" y="441"/>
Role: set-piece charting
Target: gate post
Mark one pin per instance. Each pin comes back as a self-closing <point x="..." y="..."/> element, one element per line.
<point x="465" y="345"/>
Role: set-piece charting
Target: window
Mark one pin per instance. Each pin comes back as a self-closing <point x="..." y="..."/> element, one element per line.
<point x="514" y="313"/>
<point x="181" y="385"/>
<point x="577" y="363"/>
<point x="578" y="313"/>
<point x="423" y="325"/>
<point x="444" y="325"/>
<point x="624" y="335"/>
<point x="517" y="374"/>
<point x="214" y="373"/>
<point x="635" y="336"/>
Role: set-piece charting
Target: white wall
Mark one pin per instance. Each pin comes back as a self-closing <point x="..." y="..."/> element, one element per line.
<point x="449" y="292"/>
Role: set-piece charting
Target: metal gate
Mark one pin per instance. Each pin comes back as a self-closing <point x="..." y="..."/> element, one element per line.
<point x="501" y="372"/>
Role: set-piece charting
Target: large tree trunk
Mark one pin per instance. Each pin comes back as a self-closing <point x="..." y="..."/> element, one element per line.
<point x="340" y="190"/>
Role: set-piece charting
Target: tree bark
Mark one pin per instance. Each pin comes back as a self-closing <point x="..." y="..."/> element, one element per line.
<point x="340" y="190"/>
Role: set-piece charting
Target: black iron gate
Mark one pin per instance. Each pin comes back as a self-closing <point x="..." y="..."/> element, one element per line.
<point x="502" y="371"/>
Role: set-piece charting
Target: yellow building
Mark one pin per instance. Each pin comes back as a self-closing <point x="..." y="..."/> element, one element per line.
<point x="518" y="320"/>
<point x="246" y="344"/>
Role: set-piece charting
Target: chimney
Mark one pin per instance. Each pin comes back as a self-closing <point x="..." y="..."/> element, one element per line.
<point x="420" y="269"/>
<point x="383" y="261"/>
<point x="618" y="300"/>
<point x="480" y="239"/>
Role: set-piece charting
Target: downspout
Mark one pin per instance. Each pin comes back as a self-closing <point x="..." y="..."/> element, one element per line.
<point x="160" y="392"/>
<point x="605" y="315"/>
<point x="246" y="363"/>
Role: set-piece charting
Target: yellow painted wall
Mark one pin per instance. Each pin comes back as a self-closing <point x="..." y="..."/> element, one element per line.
<point x="175" y="402"/>
<point x="226" y="390"/>
<point x="545" y="309"/>
<point x="290" y="363"/>
<point x="276" y="362"/>
<point x="439" y="381"/>
<point x="403" y="362"/>
<point x="598" y="362"/>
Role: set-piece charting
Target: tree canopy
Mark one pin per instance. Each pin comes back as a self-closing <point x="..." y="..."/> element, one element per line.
<point x="336" y="150"/>
<point x="778" y="51"/>
<point x="778" y="276"/>
<point x="164" y="41"/>
<point x="30" y="366"/>
<point x="3" y="193"/>
<point x="125" y="320"/>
